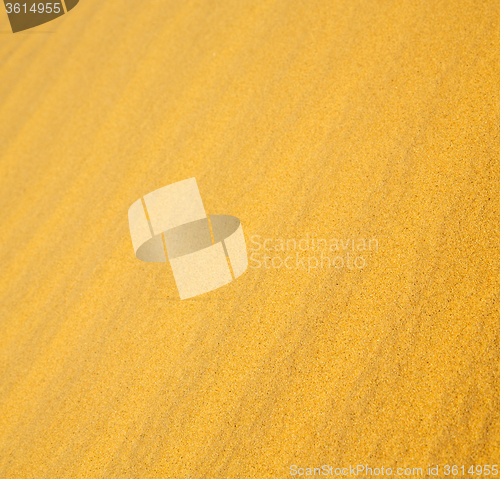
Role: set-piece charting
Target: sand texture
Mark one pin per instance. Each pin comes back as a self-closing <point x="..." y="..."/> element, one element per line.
<point x="304" y="119"/>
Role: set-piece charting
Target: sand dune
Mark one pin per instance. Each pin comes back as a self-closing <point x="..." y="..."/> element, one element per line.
<point x="304" y="119"/>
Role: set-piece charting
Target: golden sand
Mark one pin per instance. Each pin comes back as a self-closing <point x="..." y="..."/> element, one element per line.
<point x="334" y="119"/>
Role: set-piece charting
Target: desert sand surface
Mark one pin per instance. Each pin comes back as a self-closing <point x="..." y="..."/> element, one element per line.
<point x="341" y="119"/>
